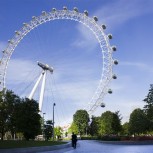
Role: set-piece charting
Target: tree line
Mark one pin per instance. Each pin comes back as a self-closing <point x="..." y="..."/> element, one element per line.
<point x="141" y="120"/>
<point x="19" y="115"/>
<point x="21" y="118"/>
<point x="109" y="123"/>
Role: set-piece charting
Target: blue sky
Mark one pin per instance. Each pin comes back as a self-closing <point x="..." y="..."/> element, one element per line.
<point x="74" y="52"/>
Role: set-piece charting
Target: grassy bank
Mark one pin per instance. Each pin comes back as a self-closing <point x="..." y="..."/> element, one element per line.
<point x="7" y="144"/>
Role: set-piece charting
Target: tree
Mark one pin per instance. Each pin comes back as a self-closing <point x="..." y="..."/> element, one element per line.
<point x="73" y="128"/>
<point x="48" y="129"/>
<point x="12" y="101"/>
<point x="138" y="122"/>
<point x="116" y="123"/>
<point x="58" y="132"/>
<point x="106" y="123"/>
<point x="94" y="126"/>
<point x="3" y="116"/>
<point x="148" y="108"/>
<point x="110" y="123"/>
<point x="8" y="103"/>
<point x="81" y="119"/>
<point x="125" y="128"/>
<point x="28" y="120"/>
<point x="18" y="115"/>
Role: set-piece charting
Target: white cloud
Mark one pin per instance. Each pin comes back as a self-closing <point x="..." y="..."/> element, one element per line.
<point x="77" y="87"/>
<point x="78" y="92"/>
<point x="19" y="76"/>
<point x="86" y="39"/>
<point x="120" y="11"/>
<point x="113" y="14"/>
<point x="139" y="65"/>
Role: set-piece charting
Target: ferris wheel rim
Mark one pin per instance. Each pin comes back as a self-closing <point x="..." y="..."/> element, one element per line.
<point x="90" y="23"/>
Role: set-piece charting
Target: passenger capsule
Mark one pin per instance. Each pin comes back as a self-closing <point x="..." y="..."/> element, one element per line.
<point x="110" y="91"/>
<point x="95" y="18"/>
<point x="102" y="105"/>
<point x="115" y="62"/>
<point x="44" y="13"/>
<point x="17" y="33"/>
<point x="10" y="41"/>
<point x="86" y="12"/>
<point x="53" y="9"/>
<point x="114" y="48"/>
<point x="75" y="9"/>
<point x="4" y="51"/>
<point x="25" y="24"/>
<point x="110" y="36"/>
<point x="114" y="76"/>
<point x="64" y="8"/>
<point x="33" y="17"/>
<point x="103" y="26"/>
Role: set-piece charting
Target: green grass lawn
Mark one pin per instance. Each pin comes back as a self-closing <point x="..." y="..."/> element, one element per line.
<point x="7" y="144"/>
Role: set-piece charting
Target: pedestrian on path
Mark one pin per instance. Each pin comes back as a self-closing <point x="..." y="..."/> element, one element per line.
<point x="74" y="140"/>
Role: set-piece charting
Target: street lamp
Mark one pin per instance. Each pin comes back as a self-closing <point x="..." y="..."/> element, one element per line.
<point x="53" y="120"/>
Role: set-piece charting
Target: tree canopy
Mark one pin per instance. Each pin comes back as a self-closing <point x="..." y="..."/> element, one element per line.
<point x="110" y="123"/>
<point x="95" y="126"/>
<point x="81" y="119"/>
<point x="138" y="122"/>
<point x="125" y="128"/>
<point x="58" y="132"/>
<point x="148" y="108"/>
<point x="29" y="121"/>
<point x="8" y="102"/>
<point x="19" y="115"/>
<point x="73" y="128"/>
<point x="48" y="129"/>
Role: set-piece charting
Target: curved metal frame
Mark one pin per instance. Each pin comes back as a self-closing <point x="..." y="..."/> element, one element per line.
<point x="90" y="23"/>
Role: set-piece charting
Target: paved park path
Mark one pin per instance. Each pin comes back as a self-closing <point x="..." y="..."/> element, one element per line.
<point x="86" y="146"/>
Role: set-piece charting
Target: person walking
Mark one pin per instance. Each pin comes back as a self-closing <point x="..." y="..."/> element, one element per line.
<point x="74" y="140"/>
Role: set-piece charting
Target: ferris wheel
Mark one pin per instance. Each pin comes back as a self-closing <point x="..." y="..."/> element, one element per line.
<point x="92" y="24"/>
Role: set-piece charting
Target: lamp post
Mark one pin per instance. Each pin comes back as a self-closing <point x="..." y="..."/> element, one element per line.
<point x="43" y="125"/>
<point x="53" y="121"/>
